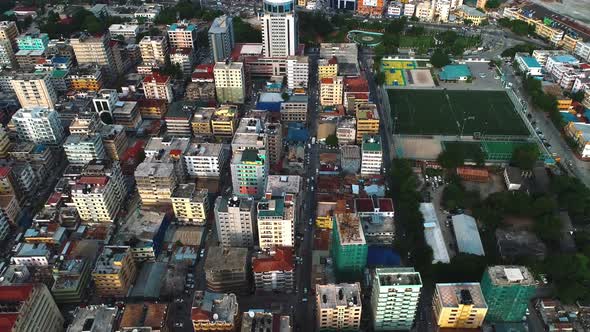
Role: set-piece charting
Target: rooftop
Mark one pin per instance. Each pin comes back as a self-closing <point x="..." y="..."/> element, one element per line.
<point x="110" y="260"/>
<point x="205" y="149"/>
<point x="144" y="315"/>
<point x="33" y="250"/>
<point x="155" y="169"/>
<point x="182" y="26"/>
<point x="508" y="275"/>
<point x="220" y="24"/>
<point x="189" y="190"/>
<point x="94" y="318"/>
<point x="530" y="62"/>
<point x="278" y="185"/>
<point x="451" y="295"/>
<point x="218" y="307"/>
<point x="279" y="259"/>
<point x="221" y="259"/>
<point x="349" y="229"/>
<point x="471" y="11"/>
<point x="371" y="143"/>
<point x="468" y="240"/>
<point x="157" y="78"/>
<point x="254" y="320"/>
<point x="243" y="203"/>
<point x="454" y="72"/>
<point x="143" y="225"/>
<point x="400" y="276"/>
<point x="333" y="296"/>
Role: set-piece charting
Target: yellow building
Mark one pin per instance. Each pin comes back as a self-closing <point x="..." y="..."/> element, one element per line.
<point x="324" y="222"/>
<point x="328" y="68"/>
<point x="471" y="14"/>
<point x="331" y="91"/>
<point x="367" y="121"/>
<point x="224" y="121"/>
<point x="459" y="305"/>
<point x="86" y="79"/>
<point x="564" y="104"/>
<point x="580" y="133"/>
<point x="201" y="121"/>
<point x="554" y="35"/>
<point x="114" y="272"/>
<point x="338" y="307"/>
<point x="301" y="3"/>
<point x="190" y="204"/>
<point x="569" y="43"/>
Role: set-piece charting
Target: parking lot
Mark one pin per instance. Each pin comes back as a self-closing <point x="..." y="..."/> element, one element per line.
<point x="484" y="78"/>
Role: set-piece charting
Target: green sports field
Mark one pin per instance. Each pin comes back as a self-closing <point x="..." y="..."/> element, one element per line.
<point x="446" y="112"/>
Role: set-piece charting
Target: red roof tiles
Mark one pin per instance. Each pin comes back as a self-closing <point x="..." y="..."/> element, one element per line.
<point x="282" y="260"/>
<point x="4" y="171"/>
<point x="156" y="78"/>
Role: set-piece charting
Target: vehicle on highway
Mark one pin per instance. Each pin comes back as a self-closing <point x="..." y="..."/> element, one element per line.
<point x="179" y="324"/>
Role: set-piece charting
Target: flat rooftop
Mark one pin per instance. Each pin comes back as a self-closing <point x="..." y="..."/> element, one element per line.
<point x="278" y="185"/>
<point x="208" y="305"/>
<point x="189" y="190"/>
<point x="110" y="259"/>
<point x="401" y="276"/>
<point x="155" y="169"/>
<point x="333" y="296"/>
<point x="467" y="234"/>
<point x="452" y="294"/>
<point x="350" y="229"/>
<point x="221" y="259"/>
<point x="94" y="318"/>
<point x="508" y="275"/>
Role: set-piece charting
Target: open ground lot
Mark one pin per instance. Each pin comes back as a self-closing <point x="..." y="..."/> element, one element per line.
<point x="406" y="73"/>
<point x="452" y="113"/>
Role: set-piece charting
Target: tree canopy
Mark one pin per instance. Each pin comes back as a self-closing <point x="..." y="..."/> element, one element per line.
<point x="439" y="58"/>
<point x="525" y="156"/>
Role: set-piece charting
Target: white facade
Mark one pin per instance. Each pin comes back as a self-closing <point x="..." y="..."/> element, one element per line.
<point x="154" y="49"/>
<point x="125" y="30"/>
<point x="206" y="159"/>
<point x="7" y="59"/>
<point x="234" y="218"/>
<point x="583" y="50"/>
<point x="371" y="155"/>
<point x="424" y="11"/>
<point x="80" y="149"/>
<point x="34" y="90"/>
<point x="184" y="60"/>
<point x="395" y="9"/>
<point x="443" y="9"/>
<point x="279" y="28"/>
<point x="409" y="9"/>
<point x="96" y="202"/>
<point x="528" y="66"/>
<point x="297" y="72"/>
<point x="230" y="82"/>
<point x="394" y="298"/>
<point x="276" y="223"/>
<point x="38" y="125"/>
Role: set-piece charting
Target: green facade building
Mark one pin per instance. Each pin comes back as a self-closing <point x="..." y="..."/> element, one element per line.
<point x="507" y="290"/>
<point x="349" y="248"/>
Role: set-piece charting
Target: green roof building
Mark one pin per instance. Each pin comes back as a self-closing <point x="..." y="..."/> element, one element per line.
<point x="249" y="170"/>
<point x="454" y="73"/>
<point x="507" y="290"/>
<point x="349" y="248"/>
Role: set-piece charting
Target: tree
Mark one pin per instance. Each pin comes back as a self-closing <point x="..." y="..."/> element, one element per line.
<point x="548" y="228"/>
<point x="525" y="156"/>
<point x="520" y="27"/>
<point x="244" y="32"/>
<point x="380" y="78"/>
<point x="467" y="22"/>
<point x="332" y="140"/>
<point x="451" y="158"/>
<point x="578" y="96"/>
<point x="504" y="22"/>
<point x="492" y="4"/>
<point x="570" y="275"/>
<point x="439" y="59"/>
<point x="285" y="96"/>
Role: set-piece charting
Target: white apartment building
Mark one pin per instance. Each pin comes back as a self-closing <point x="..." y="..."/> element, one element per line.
<point x="234" y="219"/>
<point x="95" y="50"/>
<point x="371" y="155"/>
<point x="157" y="86"/>
<point x="443" y="10"/>
<point x="297" y="72"/>
<point x="182" y="35"/>
<point x="206" y="159"/>
<point x="274" y="270"/>
<point x="156" y="182"/>
<point x="31" y="254"/>
<point x="154" y="50"/>
<point x="409" y="9"/>
<point x="331" y="91"/>
<point x="338" y="306"/>
<point x="9" y="31"/>
<point x="294" y="109"/>
<point x="278" y="21"/>
<point x="230" y="82"/>
<point x="125" y="30"/>
<point x="148" y="11"/>
<point x="38" y="125"/>
<point x="424" y="11"/>
<point x="276" y="223"/>
<point x="183" y="58"/>
<point x="190" y="204"/>
<point x="395" y="9"/>
<point x="583" y="50"/>
<point x="80" y="149"/>
<point x="96" y="199"/>
<point x="34" y="90"/>
<point x="7" y="58"/>
<point x="394" y="298"/>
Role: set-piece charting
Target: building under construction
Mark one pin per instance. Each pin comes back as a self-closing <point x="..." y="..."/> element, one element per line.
<point x="349" y="248"/>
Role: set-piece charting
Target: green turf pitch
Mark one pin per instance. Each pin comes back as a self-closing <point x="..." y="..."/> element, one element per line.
<point x="443" y="112"/>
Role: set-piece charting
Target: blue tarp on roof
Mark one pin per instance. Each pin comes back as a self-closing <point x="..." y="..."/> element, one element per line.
<point x="382" y="257"/>
<point x="569" y="117"/>
<point x="297" y="134"/>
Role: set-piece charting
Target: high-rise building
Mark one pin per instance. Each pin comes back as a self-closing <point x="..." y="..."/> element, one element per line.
<point x="276" y="222"/>
<point x="328" y="68"/>
<point x="34" y="90"/>
<point x="7" y="57"/>
<point x="338" y="307"/>
<point x="230" y="84"/>
<point x="278" y="21"/>
<point x="459" y="305"/>
<point x="371" y="155"/>
<point x="155" y="182"/>
<point x="4" y="143"/>
<point x="394" y="298"/>
<point x="297" y="72"/>
<point x="221" y="38"/>
<point x="154" y="50"/>
<point x="224" y="121"/>
<point x="114" y="272"/>
<point x="234" y="219"/>
<point x="110" y="169"/>
<point x="274" y="141"/>
<point x="367" y="121"/>
<point x="349" y="247"/>
<point x="9" y="31"/>
<point x="29" y="307"/>
<point x="274" y="270"/>
<point x="80" y="149"/>
<point x="38" y="125"/>
<point x="190" y="204"/>
<point x="249" y="169"/>
<point x="226" y="270"/>
<point x="249" y="135"/>
<point x="96" y="198"/>
<point x="158" y="86"/>
<point x="182" y="35"/>
<point x="331" y="91"/>
<point x="206" y="159"/>
<point x="95" y="50"/>
<point x="507" y="290"/>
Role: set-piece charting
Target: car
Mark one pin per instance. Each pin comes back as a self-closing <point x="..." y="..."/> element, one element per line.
<point x="304" y="299"/>
<point x="202" y="253"/>
<point x="305" y="290"/>
<point x="311" y="188"/>
<point x="179" y="324"/>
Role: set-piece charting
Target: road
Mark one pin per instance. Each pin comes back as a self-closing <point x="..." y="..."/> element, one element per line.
<point x="539" y="119"/>
<point x="304" y="314"/>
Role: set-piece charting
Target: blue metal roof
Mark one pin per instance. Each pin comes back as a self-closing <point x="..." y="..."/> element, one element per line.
<point x="531" y="62"/>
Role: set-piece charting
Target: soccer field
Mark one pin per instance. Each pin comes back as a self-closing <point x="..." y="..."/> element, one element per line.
<point x="445" y="112"/>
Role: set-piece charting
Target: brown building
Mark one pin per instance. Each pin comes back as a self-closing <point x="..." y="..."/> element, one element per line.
<point x="144" y="315"/>
<point x="114" y="272"/>
<point x="226" y="270"/>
